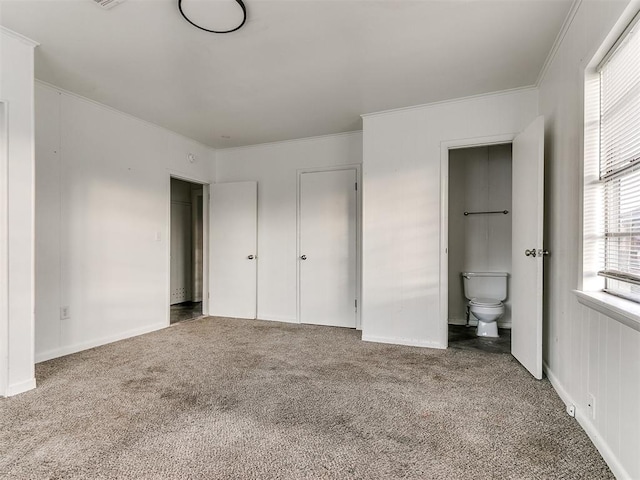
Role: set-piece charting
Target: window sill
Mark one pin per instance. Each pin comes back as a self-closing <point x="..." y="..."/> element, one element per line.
<point x="619" y="309"/>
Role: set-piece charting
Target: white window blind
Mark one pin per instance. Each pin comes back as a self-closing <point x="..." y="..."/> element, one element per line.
<point x="620" y="164"/>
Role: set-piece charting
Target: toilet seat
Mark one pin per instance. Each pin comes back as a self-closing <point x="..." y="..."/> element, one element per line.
<point x="485" y="302"/>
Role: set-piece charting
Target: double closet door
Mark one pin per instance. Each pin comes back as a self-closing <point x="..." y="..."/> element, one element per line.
<point x="327" y="248"/>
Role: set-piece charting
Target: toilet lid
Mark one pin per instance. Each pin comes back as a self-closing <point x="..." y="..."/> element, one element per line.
<point x="487" y="302"/>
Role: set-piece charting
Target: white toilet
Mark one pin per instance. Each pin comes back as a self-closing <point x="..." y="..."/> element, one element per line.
<point x="486" y="291"/>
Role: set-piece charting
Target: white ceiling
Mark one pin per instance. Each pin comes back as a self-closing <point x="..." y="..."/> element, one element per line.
<point x="296" y="69"/>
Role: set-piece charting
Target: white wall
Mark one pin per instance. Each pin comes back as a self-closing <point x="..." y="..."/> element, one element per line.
<point x="102" y="221"/>
<point x="274" y="166"/>
<point x="479" y="180"/>
<point x="16" y="215"/>
<point x="585" y="351"/>
<point x="402" y="208"/>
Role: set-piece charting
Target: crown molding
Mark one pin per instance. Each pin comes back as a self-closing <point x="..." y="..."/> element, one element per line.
<point x="293" y="140"/>
<point x="575" y="6"/>
<point x="21" y="38"/>
<point x="511" y="91"/>
<point x="102" y="106"/>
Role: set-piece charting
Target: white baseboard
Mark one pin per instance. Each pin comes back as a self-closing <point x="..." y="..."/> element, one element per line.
<point x="21" y="387"/>
<point x="555" y="383"/>
<point x="276" y="318"/>
<point x="224" y="315"/>
<point x="402" y="341"/>
<point x="78" y="347"/>
<point x="459" y="321"/>
<point x="587" y="425"/>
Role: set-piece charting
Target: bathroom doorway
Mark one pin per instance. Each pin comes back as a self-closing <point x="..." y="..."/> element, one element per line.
<point x="524" y="290"/>
<point x="187" y="250"/>
<point x="479" y="237"/>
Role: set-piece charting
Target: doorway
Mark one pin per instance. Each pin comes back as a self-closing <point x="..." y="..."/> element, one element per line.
<point x="479" y="238"/>
<point x="187" y="250"/>
<point x="328" y="263"/>
<point x="525" y="284"/>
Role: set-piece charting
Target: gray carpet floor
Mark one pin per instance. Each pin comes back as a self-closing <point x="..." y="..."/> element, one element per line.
<point x="221" y="398"/>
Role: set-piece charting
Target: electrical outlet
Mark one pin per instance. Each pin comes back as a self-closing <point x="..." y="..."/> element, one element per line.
<point x="64" y="313"/>
<point x="571" y="410"/>
<point x="591" y="405"/>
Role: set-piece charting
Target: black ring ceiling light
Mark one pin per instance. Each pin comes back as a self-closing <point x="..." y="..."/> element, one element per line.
<point x="244" y="19"/>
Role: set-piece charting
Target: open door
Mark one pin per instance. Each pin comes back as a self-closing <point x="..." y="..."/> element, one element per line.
<point x="527" y="248"/>
<point x="233" y="252"/>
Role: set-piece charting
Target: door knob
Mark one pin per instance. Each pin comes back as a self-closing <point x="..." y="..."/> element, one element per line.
<point x="543" y="253"/>
<point x="303" y="257"/>
<point x="251" y="257"/>
<point x="530" y="253"/>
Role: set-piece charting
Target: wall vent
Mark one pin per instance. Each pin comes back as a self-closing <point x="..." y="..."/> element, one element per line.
<point x="107" y="4"/>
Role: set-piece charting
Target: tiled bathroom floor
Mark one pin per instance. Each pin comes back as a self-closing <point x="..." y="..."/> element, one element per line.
<point x="185" y="311"/>
<point x="465" y="338"/>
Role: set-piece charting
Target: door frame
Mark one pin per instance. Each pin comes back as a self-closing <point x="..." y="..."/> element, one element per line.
<point x="445" y="148"/>
<point x="195" y="198"/>
<point x="4" y="250"/>
<point x="358" y="170"/>
<point x="206" y="194"/>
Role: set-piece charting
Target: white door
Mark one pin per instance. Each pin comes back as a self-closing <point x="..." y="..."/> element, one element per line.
<point x="233" y="249"/>
<point x="181" y="268"/>
<point x="528" y="251"/>
<point x="328" y="248"/>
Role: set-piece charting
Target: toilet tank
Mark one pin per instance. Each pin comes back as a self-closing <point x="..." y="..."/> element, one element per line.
<point x="485" y="285"/>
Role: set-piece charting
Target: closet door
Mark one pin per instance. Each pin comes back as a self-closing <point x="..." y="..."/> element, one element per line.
<point x="233" y="249"/>
<point x="327" y="257"/>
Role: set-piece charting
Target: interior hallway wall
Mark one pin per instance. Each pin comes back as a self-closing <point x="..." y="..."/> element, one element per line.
<point x="16" y="214"/>
<point x="103" y="221"/>
<point x="274" y="166"/>
<point x="402" y="208"/>
<point x="479" y="180"/>
<point x="585" y="352"/>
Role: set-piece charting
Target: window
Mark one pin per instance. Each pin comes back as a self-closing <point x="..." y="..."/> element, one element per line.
<point x="619" y="165"/>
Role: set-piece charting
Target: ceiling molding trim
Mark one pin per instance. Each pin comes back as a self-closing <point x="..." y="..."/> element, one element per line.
<point x="499" y="93"/>
<point x="19" y="37"/>
<point x="62" y="91"/>
<point x="293" y="140"/>
<point x="573" y="10"/>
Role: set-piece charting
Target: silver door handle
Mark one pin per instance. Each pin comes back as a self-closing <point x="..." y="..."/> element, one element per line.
<point x="250" y="257"/>
<point x="543" y="253"/>
<point x="530" y="253"/>
<point x="303" y="257"/>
